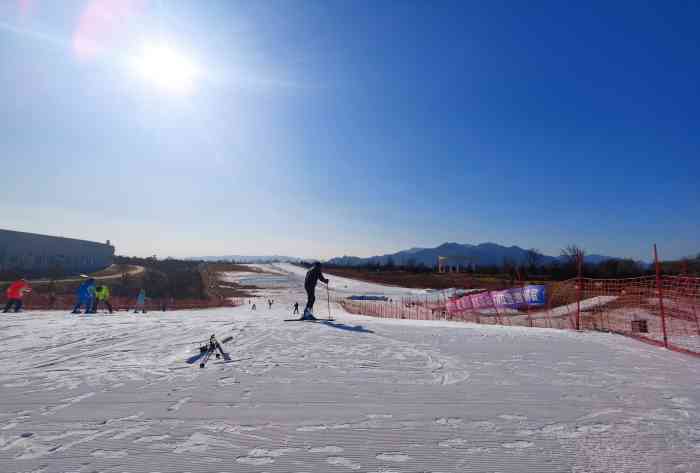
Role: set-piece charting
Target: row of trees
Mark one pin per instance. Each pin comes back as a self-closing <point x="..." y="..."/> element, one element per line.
<point x="411" y="266"/>
<point x="165" y="278"/>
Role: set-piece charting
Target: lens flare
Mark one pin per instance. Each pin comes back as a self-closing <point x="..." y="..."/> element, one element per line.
<point x="103" y="24"/>
<point x="166" y="68"/>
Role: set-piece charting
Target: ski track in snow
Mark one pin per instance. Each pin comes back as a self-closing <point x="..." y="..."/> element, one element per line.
<point x="114" y="394"/>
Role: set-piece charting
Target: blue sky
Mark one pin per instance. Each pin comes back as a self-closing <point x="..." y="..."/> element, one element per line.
<point x="322" y="128"/>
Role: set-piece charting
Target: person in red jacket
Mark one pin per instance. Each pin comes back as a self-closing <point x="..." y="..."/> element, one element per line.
<point x="15" y="293"/>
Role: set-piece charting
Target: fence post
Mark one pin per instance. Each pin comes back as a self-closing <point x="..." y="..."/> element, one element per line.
<point x="493" y="302"/>
<point x="527" y="304"/>
<point x="579" y="288"/>
<point x="660" y="293"/>
<point x="550" y="293"/>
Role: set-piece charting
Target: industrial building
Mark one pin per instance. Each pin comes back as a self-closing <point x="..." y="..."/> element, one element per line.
<point x="37" y="255"/>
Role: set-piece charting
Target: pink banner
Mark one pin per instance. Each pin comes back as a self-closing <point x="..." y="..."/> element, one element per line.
<point x="471" y="302"/>
<point x="514" y="298"/>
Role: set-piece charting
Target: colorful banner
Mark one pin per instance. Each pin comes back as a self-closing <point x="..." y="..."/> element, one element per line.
<point x="514" y="298"/>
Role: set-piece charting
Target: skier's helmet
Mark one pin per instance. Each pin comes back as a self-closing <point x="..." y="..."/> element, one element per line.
<point x="317" y="264"/>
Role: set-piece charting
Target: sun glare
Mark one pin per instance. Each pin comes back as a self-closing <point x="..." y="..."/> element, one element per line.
<point x="166" y="68"/>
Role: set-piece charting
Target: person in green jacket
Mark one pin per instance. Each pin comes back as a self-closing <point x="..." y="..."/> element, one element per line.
<point x="101" y="295"/>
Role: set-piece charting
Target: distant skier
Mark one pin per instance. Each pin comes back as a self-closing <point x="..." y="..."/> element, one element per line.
<point x="253" y="306"/>
<point x="141" y="302"/>
<point x="52" y="294"/>
<point x="312" y="278"/>
<point x="85" y="293"/>
<point x="269" y="303"/>
<point x="15" y="293"/>
<point x="164" y="303"/>
<point x="101" y="295"/>
<point x="296" y="308"/>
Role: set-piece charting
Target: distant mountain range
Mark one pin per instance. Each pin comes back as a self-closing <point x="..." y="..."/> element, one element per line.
<point x="484" y="254"/>
<point x="247" y="259"/>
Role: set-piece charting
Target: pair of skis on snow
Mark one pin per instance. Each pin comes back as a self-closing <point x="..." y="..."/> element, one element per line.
<point x="213" y="347"/>
<point x="306" y="319"/>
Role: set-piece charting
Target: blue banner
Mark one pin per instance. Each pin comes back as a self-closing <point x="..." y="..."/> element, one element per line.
<point x="517" y="297"/>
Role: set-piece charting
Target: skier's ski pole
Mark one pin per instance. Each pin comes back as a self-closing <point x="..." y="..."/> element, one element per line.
<point x="328" y="293"/>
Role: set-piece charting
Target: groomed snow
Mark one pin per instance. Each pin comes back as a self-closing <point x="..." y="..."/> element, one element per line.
<point x="352" y="286"/>
<point x="113" y="394"/>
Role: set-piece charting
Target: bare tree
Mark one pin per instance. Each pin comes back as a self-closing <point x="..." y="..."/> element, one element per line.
<point x="572" y="254"/>
<point x="533" y="257"/>
<point x="509" y="269"/>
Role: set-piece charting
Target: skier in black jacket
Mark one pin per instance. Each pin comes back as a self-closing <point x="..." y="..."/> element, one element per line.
<point x="312" y="278"/>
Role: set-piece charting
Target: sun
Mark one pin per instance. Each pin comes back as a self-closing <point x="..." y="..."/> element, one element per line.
<point x="166" y="68"/>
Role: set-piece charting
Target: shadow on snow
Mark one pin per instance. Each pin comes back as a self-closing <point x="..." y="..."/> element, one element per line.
<point x="350" y="328"/>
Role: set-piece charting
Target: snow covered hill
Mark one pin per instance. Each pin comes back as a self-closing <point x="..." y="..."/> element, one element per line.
<point x="114" y="394"/>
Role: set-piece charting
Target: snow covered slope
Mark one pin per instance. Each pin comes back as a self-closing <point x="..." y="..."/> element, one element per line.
<point x="352" y="286"/>
<point x="114" y="394"/>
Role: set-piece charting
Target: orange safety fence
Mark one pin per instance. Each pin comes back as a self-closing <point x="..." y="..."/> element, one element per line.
<point x="633" y="307"/>
<point x="35" y="301"/>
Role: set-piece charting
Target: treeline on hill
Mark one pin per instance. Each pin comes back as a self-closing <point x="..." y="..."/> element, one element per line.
<point x="685" y="266"/>
<point x="164" y="278"/>
<point x="566" y="268"/>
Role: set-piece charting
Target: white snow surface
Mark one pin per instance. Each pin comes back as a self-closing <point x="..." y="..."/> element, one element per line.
<point x="349" y="286"/>
<point x="114" y="394"/>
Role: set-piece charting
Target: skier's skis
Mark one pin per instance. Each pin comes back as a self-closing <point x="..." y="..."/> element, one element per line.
<point x="309" y="317"/>
<point x="194" y="358"/>
<point x="212" y="347"/>
<point x="205" y="358"/>
<point x="222" y="353"/>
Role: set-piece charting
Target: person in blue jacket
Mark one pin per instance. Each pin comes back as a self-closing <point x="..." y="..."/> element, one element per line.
<point x="141" y="301"/>
<point x="86" y="293"/>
